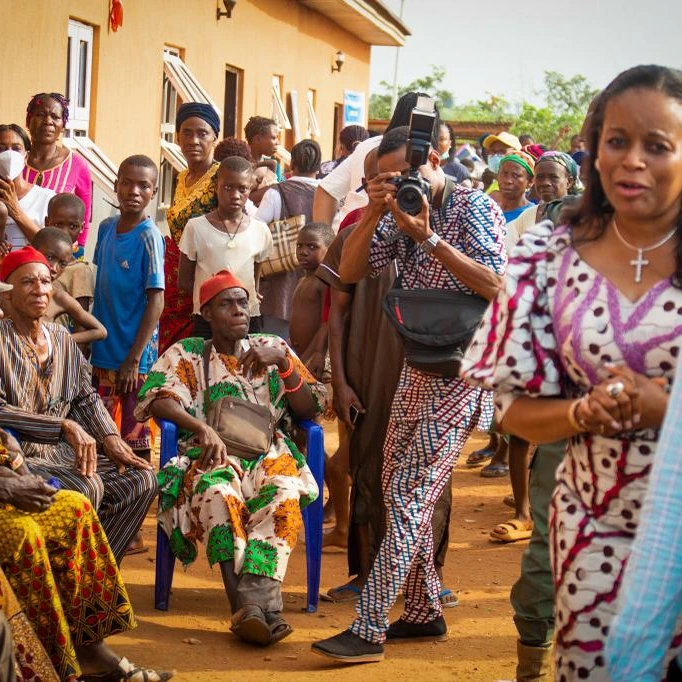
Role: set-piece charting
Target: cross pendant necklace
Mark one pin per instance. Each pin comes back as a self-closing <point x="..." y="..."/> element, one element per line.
<point x="640" y="262"/>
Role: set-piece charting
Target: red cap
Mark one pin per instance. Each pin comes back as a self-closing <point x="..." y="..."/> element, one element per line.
<point x="219" y="282"/>
<point x="23" y="256"/>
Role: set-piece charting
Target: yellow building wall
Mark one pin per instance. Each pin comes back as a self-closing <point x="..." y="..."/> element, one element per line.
<point x="263" y="37"/>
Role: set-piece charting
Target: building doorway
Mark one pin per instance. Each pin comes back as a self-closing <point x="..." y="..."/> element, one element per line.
<point x="233" y="86"/>
<point x="338" y="125"/>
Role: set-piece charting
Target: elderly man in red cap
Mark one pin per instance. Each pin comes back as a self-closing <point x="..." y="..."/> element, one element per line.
<point x="238" y="483"/>
<point x="47" y="398"/>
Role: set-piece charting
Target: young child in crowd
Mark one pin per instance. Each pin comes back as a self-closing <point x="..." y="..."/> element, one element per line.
<point x="307" y="329"/>
<point x="225" y="239"/>
<point x="66" y="211"/>
<point x="56" y="246"/>
<point x="129" y="300"/>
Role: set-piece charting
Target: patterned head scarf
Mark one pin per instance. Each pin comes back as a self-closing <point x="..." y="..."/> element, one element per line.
<point x="534" y="150"/>
<point x="526" y="161"/>
<point x="565" y="160"/>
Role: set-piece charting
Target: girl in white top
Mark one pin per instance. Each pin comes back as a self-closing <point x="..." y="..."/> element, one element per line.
<point x="225" y="239"/>
<point x="26" y="204"/>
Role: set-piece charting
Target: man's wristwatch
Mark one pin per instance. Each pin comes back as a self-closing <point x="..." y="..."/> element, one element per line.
<point x="428" y="245"/>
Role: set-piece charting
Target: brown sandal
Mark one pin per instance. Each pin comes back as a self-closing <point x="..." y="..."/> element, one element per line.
<point x="250" y="625"/>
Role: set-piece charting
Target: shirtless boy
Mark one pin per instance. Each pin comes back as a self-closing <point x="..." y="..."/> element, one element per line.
<point x="307" y="329"/>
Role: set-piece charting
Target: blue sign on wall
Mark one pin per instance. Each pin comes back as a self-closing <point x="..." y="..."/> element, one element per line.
<point x="353" y="108"/>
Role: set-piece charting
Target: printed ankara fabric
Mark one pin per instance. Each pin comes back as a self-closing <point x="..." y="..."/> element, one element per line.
<point x="548" y="334"/>
<point x="65" y="577"/>
<point x="31" y="662"/>
<point x="249" y="511"/>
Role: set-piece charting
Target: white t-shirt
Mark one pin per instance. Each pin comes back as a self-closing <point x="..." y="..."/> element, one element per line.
<point x="208" y="247"/>
<point x="34" y="205"/>
<point x="271" y="204"/>
<point x="342" y="183"/>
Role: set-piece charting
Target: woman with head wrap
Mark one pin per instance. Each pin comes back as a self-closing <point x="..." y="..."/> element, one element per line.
<point x="197" y="126"/>
<point x="49" y="163"/>
<point x="514" y="178"/>
<point x="556" y="177"/>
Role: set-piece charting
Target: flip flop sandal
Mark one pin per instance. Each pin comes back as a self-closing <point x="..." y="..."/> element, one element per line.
<point x="448" y="599"/>
<point x="511" y="531"/>
<point x="279" y="628"/>
<point x="353" y="594"/>
<point x="495" y="471"/>
<point x="250" y="626"/>
<point x="478" y="457"/>
<point x="126" y="671"/>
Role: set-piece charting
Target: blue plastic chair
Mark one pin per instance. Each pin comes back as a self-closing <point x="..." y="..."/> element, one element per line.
<point x="312" y="518"/>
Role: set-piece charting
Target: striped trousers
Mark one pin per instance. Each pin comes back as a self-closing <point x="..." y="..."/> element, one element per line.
<point x="431" y="419"/>
<point x="121" y="500"/>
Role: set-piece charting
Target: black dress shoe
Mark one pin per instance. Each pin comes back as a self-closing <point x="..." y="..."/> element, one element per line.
<point x="401" y="631"/>
<point x="349" y="648"/>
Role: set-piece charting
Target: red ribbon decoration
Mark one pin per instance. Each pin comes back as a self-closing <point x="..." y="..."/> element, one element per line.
<point x="116" y="15"/>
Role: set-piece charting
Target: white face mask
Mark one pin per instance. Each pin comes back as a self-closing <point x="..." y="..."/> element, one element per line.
<point x="494" y="162"/>
<point x="11" y="164"/>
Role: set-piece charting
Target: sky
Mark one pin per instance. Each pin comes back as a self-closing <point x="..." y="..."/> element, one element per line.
<point x="504" y="48"/>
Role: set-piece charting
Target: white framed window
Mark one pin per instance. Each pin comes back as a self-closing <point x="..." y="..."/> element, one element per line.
<point x="169" y="108"/>
<point x="279" y="111"/>
<point x="186" y="84"/>
<point x="313" y="125"/>
<point x="79" y="77"/>
<point x="102" y="168"/>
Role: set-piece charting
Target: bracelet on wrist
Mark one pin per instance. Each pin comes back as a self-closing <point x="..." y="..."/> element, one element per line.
<point x="298" y="387"/>
<point x="573" y="419"/>
<point x="288" y="371"/>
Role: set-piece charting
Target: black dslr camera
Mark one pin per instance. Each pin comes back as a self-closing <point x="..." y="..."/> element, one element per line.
<point x="411" y="185"/>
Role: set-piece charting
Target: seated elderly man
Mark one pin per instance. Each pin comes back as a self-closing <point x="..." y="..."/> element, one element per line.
<point x="55" y="557"/>
<point x="240" y="494"/>
<point x="46" y="396"/>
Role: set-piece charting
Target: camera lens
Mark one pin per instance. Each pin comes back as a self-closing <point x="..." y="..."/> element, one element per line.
<point x="409" y="198"/>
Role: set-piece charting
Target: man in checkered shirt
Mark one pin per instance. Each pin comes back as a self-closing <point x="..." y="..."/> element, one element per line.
<point x="456" y="243"/>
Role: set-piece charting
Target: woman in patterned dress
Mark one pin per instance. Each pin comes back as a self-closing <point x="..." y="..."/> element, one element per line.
<point x="59" y="581"/>
<point x="246" y="511"/>
<point x="582" y="343"/>
<point x="197" y="127"/>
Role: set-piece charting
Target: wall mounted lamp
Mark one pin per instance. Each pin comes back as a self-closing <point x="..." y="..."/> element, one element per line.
<point x="339" y="60"/>
<point x="229" y="6"/>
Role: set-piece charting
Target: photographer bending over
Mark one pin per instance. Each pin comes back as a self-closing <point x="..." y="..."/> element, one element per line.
<point x="454" y="244"/>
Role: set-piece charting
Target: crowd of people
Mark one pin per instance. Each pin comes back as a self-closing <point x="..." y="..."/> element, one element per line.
<point x="535" y="295"/>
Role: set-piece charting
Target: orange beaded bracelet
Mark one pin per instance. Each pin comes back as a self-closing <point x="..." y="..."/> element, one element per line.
<point x="295" y="388"/>
<point x="288" y="371"/>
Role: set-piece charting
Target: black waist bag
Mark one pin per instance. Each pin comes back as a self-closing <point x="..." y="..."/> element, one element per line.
<point x="436" y="326"/>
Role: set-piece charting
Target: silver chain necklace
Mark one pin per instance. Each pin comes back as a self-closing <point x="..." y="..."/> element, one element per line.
<point x="639" y="262"/>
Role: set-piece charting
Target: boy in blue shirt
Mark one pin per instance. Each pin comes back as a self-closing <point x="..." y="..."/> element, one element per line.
<point x="128" y="299"/>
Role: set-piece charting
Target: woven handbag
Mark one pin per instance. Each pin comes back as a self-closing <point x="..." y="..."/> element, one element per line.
<point x="284" y="237"/>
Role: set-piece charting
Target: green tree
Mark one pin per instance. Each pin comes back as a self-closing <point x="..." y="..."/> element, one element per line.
<point x="566" y="102"/>
<point x="567" y="95"/>
<point x="380" y="103"/>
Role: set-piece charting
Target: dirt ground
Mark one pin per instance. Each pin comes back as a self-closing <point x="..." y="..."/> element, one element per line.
<point x="481" y="644"/>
